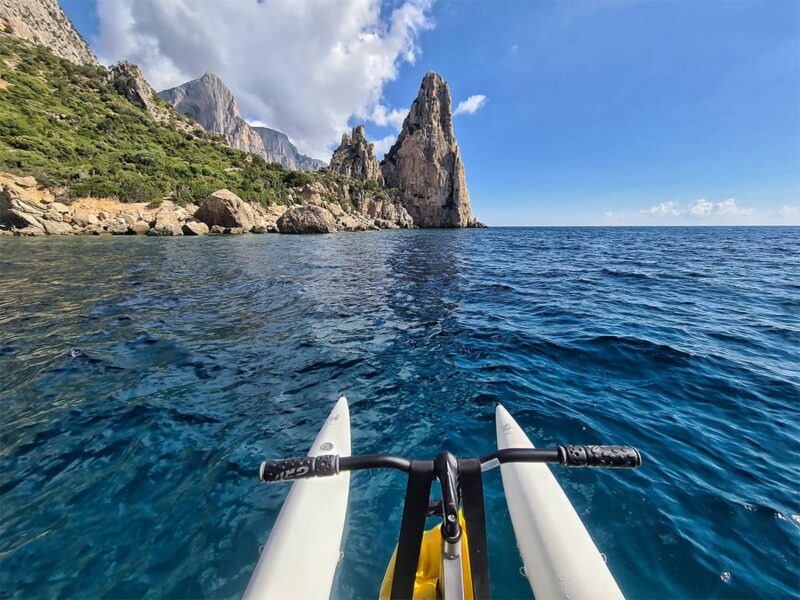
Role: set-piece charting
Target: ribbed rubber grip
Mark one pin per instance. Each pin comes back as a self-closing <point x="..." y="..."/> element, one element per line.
<point x="289" y="469"/>
<point x="618" y="457"/>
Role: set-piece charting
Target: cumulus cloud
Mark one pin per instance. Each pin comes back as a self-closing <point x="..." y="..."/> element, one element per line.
<point x="699" y="209"/>
<point x="665" y="209"/>
<point x="383" y="145"/>
<point x="470" y="105"/>
<point x="727" y="208"/>
<point x="304" y="67"/>
<point x="382" y="116"/>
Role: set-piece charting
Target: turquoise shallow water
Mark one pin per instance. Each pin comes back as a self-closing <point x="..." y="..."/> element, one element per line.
<point x="143" y="380"/>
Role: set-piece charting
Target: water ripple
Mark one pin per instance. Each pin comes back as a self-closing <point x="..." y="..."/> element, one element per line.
<point x="143" y="380"/>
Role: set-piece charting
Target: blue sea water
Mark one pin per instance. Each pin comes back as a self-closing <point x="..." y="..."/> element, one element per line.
<point x="143" y="380"/>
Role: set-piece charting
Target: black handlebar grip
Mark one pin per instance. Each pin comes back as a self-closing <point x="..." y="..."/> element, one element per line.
<point x="289" y="469"/>
<point x="618" y="457"/>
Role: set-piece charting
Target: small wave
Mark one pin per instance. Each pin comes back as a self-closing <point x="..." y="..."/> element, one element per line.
<point x="625" y="274"/>
<point x="615" y="347"/>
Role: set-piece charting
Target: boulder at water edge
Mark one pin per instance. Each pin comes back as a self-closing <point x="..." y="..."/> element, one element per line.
<point x="226" y="209"/>
<point x="307" y="219"/>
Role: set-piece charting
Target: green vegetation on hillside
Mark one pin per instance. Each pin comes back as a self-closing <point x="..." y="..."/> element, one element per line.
<point x="67" y="126"/>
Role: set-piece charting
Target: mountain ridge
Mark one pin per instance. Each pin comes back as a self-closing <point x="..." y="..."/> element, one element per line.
<point x="210" y="102"/>
<point x="282" y="151"/>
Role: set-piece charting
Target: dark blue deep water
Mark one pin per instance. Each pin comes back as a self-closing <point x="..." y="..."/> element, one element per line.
<point x="143" y="380"/>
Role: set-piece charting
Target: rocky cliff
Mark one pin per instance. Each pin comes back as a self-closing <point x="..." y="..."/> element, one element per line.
<point x="280" y="150"/>
<point x="43" y="22"/>
<point x="209" y="102"/>
<point x="128" y="81"/>
<point x="355" y="157"/>
<point x="425" y="163"/>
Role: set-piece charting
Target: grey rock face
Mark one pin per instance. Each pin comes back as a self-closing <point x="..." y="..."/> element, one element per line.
<point x="307" y="219"/>
<point x="165" y="223"/>
<point x="194" y="227"/>
<point x="279" y="149"/>
<point x="128" y="80"/>
<point x="209" y="102"/>
<point x="43" y="22"/>
<point x="227" y="210"/>
<point x="425" y="163"/>
<point x="139" y="228"/>
<point x="355" y="157"/>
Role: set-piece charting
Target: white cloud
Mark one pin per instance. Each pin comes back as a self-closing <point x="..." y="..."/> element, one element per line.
<point x="699" y="209"/>
<point x="470" y="105"/>
<point x="383" y="117"/>
<point x="665" y="209"/>
<point x="304" y="67"/>
<point x="791" y="213"/>
<point x="725" y="208"/>
<point x="706" y="212"/>
<point x="383" y="145"/>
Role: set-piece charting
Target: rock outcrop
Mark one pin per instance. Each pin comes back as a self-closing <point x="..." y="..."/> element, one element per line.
<point x="43" y="22"/>
<point x="226" y="209"/>
<point x="26" y="210"/>
<point x="194" y="227"/>
<point x="355" y="157"/>
<point x="129" y="82"/>
<point x="425" y="163"/>
<point x="209" y="102"/>
<point x="307" y="219"/>
<point x="355" y="208"/>
<point x="279" y="149"/>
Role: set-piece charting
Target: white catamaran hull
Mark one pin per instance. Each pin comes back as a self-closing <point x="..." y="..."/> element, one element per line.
<point x="561" y="560"/>
<point x="302" y="552"/>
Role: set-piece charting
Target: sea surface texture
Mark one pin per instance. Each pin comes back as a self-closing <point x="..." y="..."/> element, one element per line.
<point x="143" y="380"/>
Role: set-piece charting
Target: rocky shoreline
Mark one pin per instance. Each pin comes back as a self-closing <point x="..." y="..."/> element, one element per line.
<point x="131" y="162"/>
<point x="27" y="210"/>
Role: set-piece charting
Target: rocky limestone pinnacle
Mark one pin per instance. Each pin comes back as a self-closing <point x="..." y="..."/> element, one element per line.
<point x="425" y="163"/>
<point x="355" y="157"/>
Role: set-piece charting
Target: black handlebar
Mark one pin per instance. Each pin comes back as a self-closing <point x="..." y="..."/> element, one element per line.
<point x="325" y="465"/>
<point x="289" y="469"/>
<point x="615" y="457"/>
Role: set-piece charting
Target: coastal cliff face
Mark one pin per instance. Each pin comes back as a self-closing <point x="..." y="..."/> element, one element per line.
<point x="134" y="175"/>
<point x="209" y="102"/>
<point x="280" y="150"/>
<point x="425" y="162"/>
<point x="355" y="157"/>
<point x="43" y="22"/>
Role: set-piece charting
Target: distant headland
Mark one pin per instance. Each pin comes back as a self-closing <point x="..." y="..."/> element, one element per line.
<point x="86" y="149"/>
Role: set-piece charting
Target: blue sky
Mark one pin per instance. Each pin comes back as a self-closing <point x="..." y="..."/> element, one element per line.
<point x="596" y="113"/>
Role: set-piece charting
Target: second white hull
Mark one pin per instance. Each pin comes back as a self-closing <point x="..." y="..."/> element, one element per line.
<point x="561" y="560"/>
<point x="302" y="552"/>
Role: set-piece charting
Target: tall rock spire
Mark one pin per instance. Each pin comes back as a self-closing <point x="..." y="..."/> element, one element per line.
<point x="355" y="157"/>
<point x="425" y="163"/>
